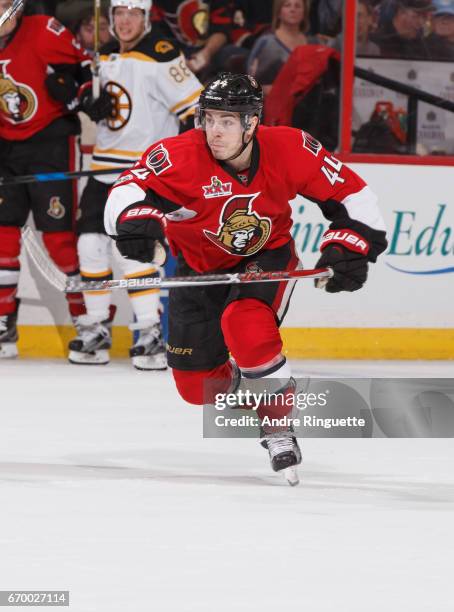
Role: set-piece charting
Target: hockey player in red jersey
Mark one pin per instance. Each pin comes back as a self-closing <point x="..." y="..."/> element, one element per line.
<point x="220" y="194"/>
<point x="41" y="70"/>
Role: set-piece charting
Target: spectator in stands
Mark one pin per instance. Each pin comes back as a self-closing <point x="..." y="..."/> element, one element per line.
<point x="250" y="20"/>
<point x="200" y="28"/>
<point x="365" y="25"/>
<point x="326" y="17"/>
<point x="271" y="51"/>
<point x="84" y="30"/>
<point x="441" y="40"/>
<point x="402" y="35"/>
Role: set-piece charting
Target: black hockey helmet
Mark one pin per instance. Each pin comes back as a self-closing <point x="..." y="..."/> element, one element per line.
<point x="237" y="93"/>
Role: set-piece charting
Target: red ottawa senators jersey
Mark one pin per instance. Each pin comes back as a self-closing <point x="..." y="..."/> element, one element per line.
<point x="39" y="46"/>
<point x="216" y="218"/>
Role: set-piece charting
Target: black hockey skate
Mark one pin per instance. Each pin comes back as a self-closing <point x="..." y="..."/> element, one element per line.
<point x="93" y="341"/>
<point x="281" y="443"/>
<point x="285" y="454"/>
<point x="149" y="351"/>
<point x="8" y="336"/>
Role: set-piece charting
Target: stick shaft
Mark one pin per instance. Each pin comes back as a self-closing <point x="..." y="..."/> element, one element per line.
<point x="11" y="11"/>
<point x="63" y="283"/>
<point x="198" y="280"/>
<point x="56" y="176"/>
<point x="96" y="88"/>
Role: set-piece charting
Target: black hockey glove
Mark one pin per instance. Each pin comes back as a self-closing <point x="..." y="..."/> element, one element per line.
<point x="350" y="268"/>
<point x="347" y="247"/>
<point x="63" y="87"/>
<point x="140" y="234"/>
<point x="99" y="108"/>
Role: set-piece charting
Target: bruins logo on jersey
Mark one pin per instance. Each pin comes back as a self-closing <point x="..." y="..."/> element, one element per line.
<point x="122" y="106"/>
<point x="56" y="209"/>
<point x="18" y="102"/>
<point x="241" y="230"/>
<point x="163" y="46"/>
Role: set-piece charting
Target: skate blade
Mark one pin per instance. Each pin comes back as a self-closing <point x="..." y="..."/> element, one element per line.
<point x="291" y="475"/>
<point x="149" y="362"/>
<point x="100" y="357"/>
<point x="8" y="350"/>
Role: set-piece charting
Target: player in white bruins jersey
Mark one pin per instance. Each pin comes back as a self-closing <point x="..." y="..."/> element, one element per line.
<point x="153" y="93"/>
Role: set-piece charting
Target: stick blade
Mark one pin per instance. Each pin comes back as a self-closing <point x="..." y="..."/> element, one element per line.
<point x="44" y="264"/>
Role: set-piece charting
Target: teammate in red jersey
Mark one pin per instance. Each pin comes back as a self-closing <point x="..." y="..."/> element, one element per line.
<point x="41" y="70"/>
<point x="220" y="194"/>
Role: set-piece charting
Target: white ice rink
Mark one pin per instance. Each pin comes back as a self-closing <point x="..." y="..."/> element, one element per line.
<point x="109" y="490"/>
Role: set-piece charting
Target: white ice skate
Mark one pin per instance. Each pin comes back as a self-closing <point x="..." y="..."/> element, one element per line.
<point x="148" y="352"/>
<point x="93" y="341"/>
<point x="8" y="336"/>
<point x="285" y="454"/>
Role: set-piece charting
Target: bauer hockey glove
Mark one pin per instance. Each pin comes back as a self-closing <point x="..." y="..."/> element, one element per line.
<point x="347" y="248"/>
<point x="99" y="108"/>
<point x="63" y="87"/>
<point x="140" y="234"/>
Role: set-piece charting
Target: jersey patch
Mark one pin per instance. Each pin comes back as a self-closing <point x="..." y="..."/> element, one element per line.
<point x="18" y="102"/>
<point x="217" y="189"/>
<point x="55" y="26"/>
<point x="163" y="46"/>
<point x="158" y="160"/>
<point x="241" y="230"/>
<point x="311" y="144"/>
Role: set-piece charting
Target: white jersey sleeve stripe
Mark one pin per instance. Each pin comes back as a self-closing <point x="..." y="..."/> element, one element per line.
<point x="120" y="198"/>
<point x="362" y="206"/>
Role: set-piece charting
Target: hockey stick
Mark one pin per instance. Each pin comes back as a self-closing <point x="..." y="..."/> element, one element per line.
<point x="13" y="9"/>
<point x="56" y="176"/>
<point x="63" y="283"/>
<point x="96" y="84"/>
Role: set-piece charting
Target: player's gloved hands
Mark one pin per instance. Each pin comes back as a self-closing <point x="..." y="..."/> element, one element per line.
<point x="99" y="108"/>
<point x="140" y="234"/>
<point x="347" y="247"/>
<point x="350" y="269"/>
<point x="63" y="87"/>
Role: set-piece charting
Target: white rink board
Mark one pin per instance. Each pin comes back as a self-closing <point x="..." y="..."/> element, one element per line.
<point x="412" y="198"/>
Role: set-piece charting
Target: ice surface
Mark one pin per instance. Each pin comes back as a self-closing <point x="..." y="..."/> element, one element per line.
<point x="109" y="490"/>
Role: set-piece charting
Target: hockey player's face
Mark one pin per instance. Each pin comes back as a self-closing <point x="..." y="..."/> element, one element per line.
<point x="129" y="23"/>
<point x="224" y="133"/>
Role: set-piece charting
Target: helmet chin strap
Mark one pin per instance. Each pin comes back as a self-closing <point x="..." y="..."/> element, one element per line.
<point x="242" y="148"/>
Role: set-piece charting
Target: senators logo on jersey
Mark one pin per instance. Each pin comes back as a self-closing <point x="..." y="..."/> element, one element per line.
<point x="241" y="230"/>
<point x="193" y="21"/>
<point x="18" y="102"/>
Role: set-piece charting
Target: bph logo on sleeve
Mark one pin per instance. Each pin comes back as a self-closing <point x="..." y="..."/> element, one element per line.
<point x="241" y="230"/>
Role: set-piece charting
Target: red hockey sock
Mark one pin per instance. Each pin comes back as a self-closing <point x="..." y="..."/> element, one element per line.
<point x="200" y="387"/>
<point x="62" y="247"/>
<point x="251" y="332"/>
